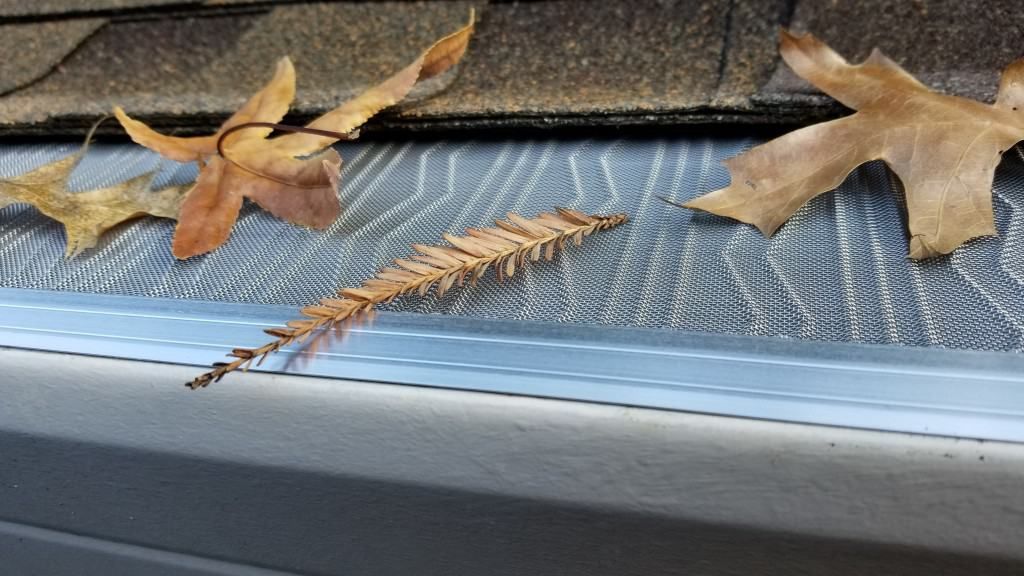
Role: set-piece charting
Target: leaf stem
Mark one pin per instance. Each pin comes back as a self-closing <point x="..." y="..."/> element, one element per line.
<point x="283" y="128"/>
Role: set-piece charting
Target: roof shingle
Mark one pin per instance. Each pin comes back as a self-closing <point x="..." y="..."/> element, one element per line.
<point x="186" y="64"/>
<point x="38" y="47"/>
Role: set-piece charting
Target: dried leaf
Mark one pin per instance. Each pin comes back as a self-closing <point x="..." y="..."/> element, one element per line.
<point x="268" y="105"/>
<point x="454" y="262"/>
<point x="943" y="148"/>
<point x="87" y="215"/>
<point x="279" y="174"/>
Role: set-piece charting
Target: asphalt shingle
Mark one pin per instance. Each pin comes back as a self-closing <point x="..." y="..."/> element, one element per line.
<point x="38" y="47"/>
<point x="955" y="47"/>
<point x="187" y="64"/>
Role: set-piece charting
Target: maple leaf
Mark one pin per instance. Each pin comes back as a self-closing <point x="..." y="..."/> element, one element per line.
<point x="944" y="149"/>
<point x="295" y="176"/>
<point x="87" y="215"/>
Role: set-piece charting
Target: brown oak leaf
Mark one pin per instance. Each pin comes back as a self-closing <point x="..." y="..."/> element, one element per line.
<point x="295" y="176"/>
<point x="87" y="215"/>
<point x="943" y="148"/>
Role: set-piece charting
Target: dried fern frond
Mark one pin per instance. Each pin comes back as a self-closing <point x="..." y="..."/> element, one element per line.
<point x="503" y="248"/>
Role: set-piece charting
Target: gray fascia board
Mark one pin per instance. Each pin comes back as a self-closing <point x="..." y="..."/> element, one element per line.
<point x="891" y="489"/>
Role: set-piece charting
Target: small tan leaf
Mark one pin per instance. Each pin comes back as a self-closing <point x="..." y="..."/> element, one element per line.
<point x="87" y="215"/>
<point x="489" y="242"/>
<point x="535" y="254"/>
<point x="431" y="260"/>
<point x="416" y="267"/>
<point x="549" y="250"/>
<point x="511" y="236"/>
<point x="467" y="245"/>
<point x="490" y="239"/>
<point x="450" y="279"/>
<point x="533" y="228"/>
<point x="360" y="294"/>
<point x="438" y="253"/>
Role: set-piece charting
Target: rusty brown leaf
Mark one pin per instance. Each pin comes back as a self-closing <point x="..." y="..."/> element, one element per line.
<point x="943" y="148"/>
<point x="295" y="176"/>
<point x="87" y="215"/>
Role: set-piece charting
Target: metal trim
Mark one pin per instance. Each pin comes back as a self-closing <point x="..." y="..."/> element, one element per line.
<point x="922" y="390"/>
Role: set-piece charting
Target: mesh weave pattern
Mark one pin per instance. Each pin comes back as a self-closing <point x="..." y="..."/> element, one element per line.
<point x="837" y="271"/>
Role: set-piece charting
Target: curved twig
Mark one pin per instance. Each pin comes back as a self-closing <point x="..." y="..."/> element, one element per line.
<point x="283" y="128"/>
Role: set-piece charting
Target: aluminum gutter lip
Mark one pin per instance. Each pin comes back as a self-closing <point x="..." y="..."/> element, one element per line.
<point x="968" y="394"/>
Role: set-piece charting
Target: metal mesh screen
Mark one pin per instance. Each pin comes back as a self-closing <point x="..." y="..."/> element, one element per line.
<point x="836" y="271"/>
